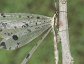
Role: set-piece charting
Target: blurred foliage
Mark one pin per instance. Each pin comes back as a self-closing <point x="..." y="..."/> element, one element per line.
<point x="76" y="28"/>
<point x="27" y="6"/>
<point x="46" y="7"/>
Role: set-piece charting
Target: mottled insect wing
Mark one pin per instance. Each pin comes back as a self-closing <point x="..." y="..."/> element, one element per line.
<point x="11" y="23"/>
<point x="19" y="29"/>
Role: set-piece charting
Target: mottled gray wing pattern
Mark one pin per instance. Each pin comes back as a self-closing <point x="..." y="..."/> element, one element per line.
<point x="18" y="29"/>
<point x="11" y="23"/>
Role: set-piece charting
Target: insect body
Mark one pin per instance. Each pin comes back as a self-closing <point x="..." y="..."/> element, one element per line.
<point x="19" y="29"/>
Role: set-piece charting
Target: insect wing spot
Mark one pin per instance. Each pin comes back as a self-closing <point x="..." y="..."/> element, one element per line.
<point x="36" y="23"/>
<point x="26" y="24"/>
<point x="3" y="44"/>
<point x="15" y="37"/>
<point x="2" y="14"/>
<point x="27" y="55"/>
<point x="0" y="30"/>
<point x="18" y="43"/>
<point x="9" y="34"/>
<point x="10" y="48"/>
<point x="15" y="27"/>
<point x="38" y="17"/>
<point x="28" y="17"/>
<point x="23" y="26"/>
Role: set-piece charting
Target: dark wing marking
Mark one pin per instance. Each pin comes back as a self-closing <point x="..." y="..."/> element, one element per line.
<point x="12" y="23"/>
<point x="21" y="16"/>
<point x="24" y="37"/>
<point x="31" y="27"/>
<point x="3" y="45"/>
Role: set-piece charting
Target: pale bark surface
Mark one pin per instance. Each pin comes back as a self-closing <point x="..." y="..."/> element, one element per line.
<point x="63" y="32"/>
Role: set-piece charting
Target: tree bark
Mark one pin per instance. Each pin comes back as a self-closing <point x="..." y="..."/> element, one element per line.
<point x="63" y="32"/>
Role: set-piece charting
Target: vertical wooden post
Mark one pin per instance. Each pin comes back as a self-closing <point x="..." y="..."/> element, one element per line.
<point x="63" y="32"/>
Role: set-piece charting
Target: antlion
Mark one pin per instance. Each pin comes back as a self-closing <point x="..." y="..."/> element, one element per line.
<point x="19" y="29"/>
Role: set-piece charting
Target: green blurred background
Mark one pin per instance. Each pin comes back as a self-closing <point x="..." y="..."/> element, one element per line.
<point x="46" y="7"/>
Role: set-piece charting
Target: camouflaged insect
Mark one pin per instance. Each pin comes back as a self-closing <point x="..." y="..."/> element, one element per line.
<point x="19" y="29"/>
